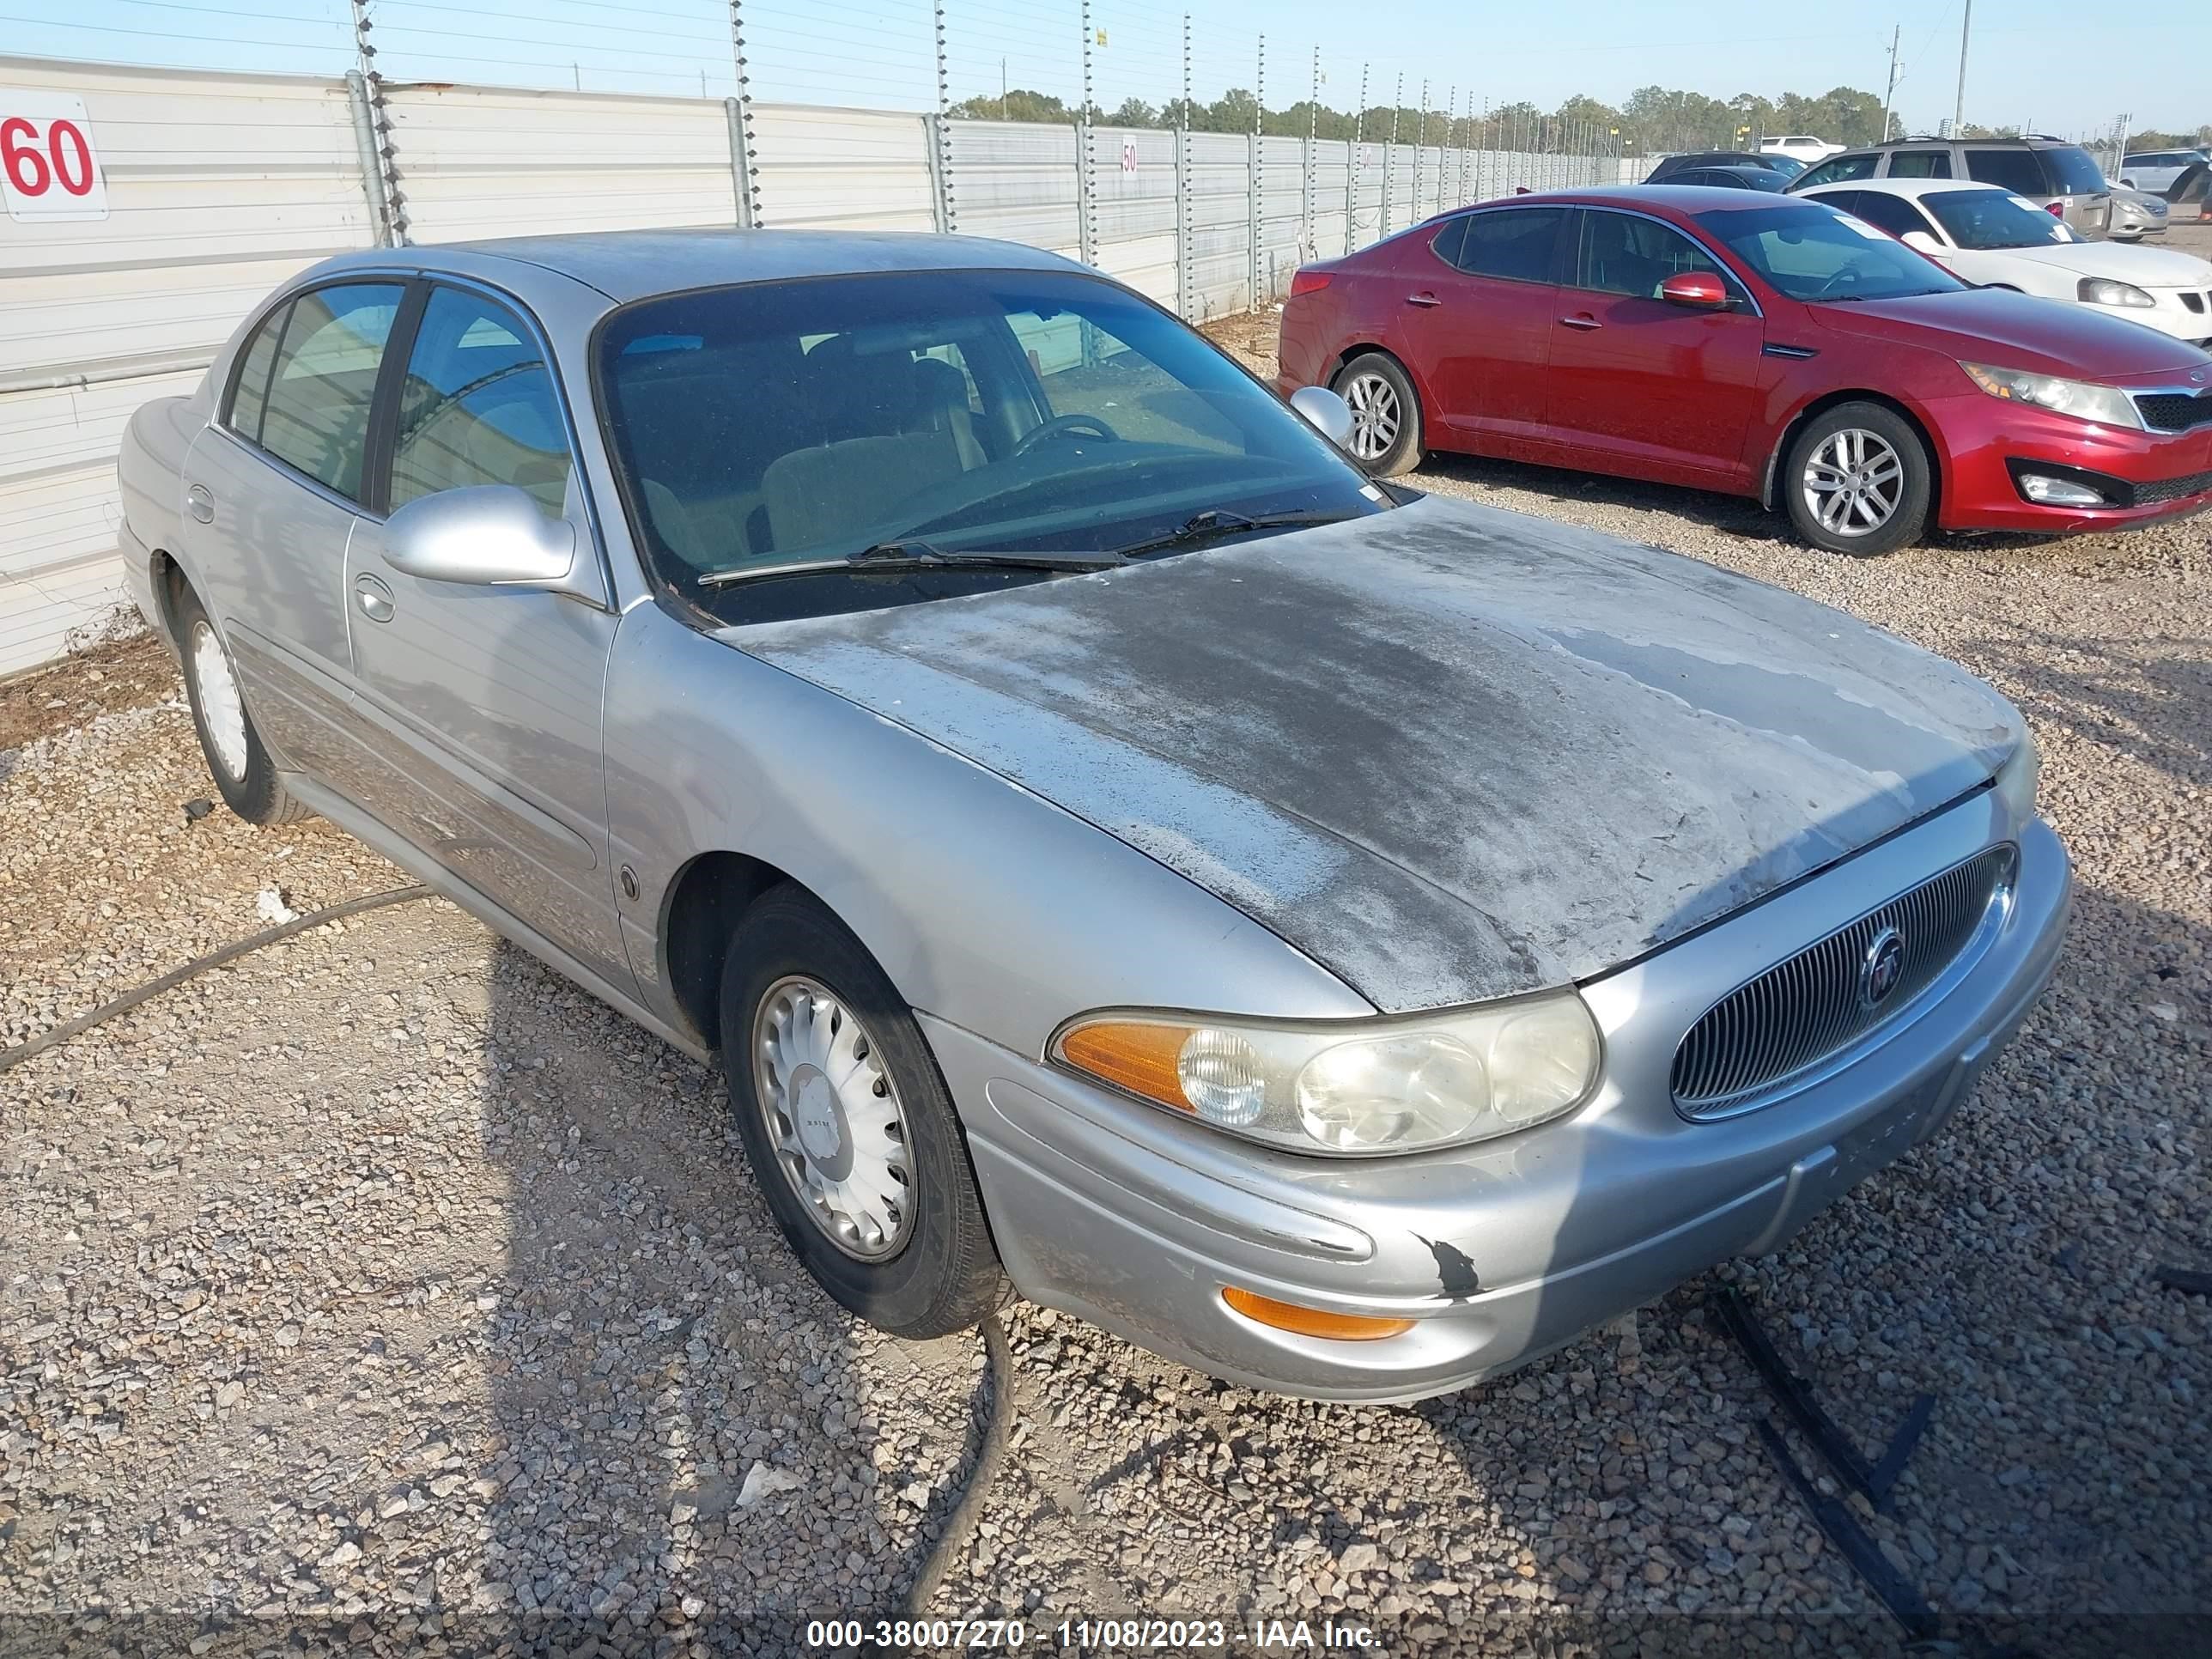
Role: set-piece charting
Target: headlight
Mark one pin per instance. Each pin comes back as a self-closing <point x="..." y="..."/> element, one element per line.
<point x="2104" y="291"/>
<point x="1380" y="1086"/>
<point x="2081" y="398"/>
<point x="2017" y="783"/>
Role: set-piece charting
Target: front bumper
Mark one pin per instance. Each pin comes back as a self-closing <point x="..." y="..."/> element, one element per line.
<point x="1137" y="1220"/>
<point x="1987" y="441"/>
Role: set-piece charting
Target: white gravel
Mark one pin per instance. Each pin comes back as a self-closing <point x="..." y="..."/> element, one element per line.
<point x="384" y="1277"/>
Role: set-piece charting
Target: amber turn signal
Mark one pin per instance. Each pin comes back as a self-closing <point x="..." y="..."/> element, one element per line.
<point x="1312" y="1322"/>
<point x="1132" y="1055"/>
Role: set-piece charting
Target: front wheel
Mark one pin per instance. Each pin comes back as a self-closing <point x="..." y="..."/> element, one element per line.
<point x="1386" y="414"/>
<point x="1857" y="481"/>
<point x="848" y="1126"/>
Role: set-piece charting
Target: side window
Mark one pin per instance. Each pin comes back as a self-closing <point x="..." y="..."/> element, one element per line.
<point x="249" y="393"/>
<point x="2015" y="170"/>
<point x="1839" y="170"/>
<point x="1446" y="243"/>
<point x="478" y="407"/>
<point x="1920" y="164"/>
<point x="1620" y="253"/>
<point x="1893" y="214"/>
<point x="323" y="380"/>
<point x="1511" y="242"/>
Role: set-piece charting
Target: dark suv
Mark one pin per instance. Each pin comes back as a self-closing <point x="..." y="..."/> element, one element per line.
<point x="2049" y="172"/>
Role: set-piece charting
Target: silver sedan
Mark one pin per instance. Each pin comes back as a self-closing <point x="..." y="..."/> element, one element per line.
<point x="1349" y="941"/>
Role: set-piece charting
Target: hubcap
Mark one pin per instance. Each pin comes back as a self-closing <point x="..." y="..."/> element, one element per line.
<point x="1376" y="416"/>
<point x="222" y="709"/>
<point x="1853" y="481"/>
<point x="834" y="1117"/>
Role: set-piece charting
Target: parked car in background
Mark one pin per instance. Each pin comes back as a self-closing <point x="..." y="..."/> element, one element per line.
<point x="1802" y="147"/>
<point x="1762" y="345"/>
<point x="1349" y="946"/>
<point x="1752" y="178"/>
<point x="1785" y="167"/>
<point x="2138" y="216"/>
<point x="2061" y="177"/>
<point x="2157" y="169"/>
<point x="1993" y="239"/>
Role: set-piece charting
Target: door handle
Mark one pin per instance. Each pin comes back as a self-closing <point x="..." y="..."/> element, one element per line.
<point x="1580" y="322"/>
<point x="1423" y="298"/>
<point x="200" y="503"/>
<point x="374" y="597"/>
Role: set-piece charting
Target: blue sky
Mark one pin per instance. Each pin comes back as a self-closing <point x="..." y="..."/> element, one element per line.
<point x="2031" y="61"/>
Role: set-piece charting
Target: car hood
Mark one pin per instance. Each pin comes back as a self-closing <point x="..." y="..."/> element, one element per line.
<point x="2017" y="331"/>
<point x="1450" y="752"/>
<point x="2146" y="267"/>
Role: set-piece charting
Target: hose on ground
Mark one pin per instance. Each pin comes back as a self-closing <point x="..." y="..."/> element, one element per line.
<point x="176" y="977"/>
<point x="997" y="1430"/>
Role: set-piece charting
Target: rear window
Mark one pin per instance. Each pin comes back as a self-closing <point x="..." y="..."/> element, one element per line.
<point x="1511" y="242"/>
<point x="2075" y="171"/>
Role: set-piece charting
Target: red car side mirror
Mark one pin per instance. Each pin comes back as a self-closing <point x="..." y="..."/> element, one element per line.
<point x="1697" y="289"/>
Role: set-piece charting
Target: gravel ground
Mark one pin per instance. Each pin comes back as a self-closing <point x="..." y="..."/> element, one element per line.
<point x="385" y="1278"/>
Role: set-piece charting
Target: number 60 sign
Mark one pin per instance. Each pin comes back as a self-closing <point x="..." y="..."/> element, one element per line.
<point x="48" y="167"/>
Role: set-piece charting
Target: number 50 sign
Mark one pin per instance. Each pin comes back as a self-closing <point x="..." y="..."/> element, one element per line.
<point x="48" y="168"/>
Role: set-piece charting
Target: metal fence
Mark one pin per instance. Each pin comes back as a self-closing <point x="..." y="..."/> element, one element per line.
<point x="217" y="186"/>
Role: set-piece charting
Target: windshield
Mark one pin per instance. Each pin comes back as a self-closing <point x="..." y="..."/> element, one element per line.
<point x="1984" y="219"/>
<point x="797" y="423"/>
<point x="1821" y="254"/>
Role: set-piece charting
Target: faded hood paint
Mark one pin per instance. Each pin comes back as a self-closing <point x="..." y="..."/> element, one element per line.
<point x="1450" y="752"/>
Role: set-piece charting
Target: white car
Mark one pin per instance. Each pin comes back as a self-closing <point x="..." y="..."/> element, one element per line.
<point x="1993" y="239"/>
<point x="1802" y="147"/>
<point x="2157" y="169"/>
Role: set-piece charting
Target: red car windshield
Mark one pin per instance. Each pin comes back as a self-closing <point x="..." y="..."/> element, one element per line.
<point x="1824" y="255"/>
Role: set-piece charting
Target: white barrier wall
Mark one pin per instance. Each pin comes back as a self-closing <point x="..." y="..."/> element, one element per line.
<point x="219" y="186"/>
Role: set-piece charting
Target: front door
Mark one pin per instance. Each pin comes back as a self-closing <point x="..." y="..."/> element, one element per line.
<point x="272" y="493"/>
<point x="1638" y="385"/>
<point x="485" y="702"/>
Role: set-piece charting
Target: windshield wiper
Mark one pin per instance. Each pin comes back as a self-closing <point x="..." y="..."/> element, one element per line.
<point x="1220" y="521"/>
<point x="899" y="557"/>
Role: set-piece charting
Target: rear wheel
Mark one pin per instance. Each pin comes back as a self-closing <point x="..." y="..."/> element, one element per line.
<point x="1857" y="481"/>
<point x="244" y="774"/>
<point x="850" y="1130"/>
<point x="1386" y="414"/>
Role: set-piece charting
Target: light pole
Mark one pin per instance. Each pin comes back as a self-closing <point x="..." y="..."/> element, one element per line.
<point x="1959" y="105"/>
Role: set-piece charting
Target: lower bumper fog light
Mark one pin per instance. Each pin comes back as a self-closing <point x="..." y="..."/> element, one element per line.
<point x="1313" y="1321"/>
<point x="2058" y="492"/>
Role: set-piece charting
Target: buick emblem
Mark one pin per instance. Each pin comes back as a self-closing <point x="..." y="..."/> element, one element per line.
<point x="1882" y="967"/>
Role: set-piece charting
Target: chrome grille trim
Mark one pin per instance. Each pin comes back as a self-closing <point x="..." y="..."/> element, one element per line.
<point x="1780" y="1024"/>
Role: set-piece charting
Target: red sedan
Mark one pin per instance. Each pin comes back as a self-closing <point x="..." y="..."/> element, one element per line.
<point x="1767" y="347"/>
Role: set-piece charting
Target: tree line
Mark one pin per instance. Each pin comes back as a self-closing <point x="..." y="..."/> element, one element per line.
<point x="1654" y="119"/>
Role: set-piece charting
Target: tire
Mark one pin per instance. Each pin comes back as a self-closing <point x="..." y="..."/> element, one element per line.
<point x="244" y="774"/>
<point x="1386" y="414"/>
<point x="922" y="1268"/>
<point x="1886" y="509"/>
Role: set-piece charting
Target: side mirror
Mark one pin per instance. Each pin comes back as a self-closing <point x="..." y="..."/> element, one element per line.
<point x="487" y="536"/>
<point x="1325" y="412"/>
<point x="1698" y="290"/>
<point x="1922" y="242"/>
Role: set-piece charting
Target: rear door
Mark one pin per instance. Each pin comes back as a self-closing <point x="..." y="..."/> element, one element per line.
<point x="1640" y="386"/>
<point x="485" y="702"/>
<point x="1480" y="305"/>
<point x="273" y="491"/>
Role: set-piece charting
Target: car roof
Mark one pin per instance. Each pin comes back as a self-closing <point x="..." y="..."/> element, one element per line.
<point x="1906" y="186"/>
<point x="1683" y="198"/>
<point x="632" y="265"/>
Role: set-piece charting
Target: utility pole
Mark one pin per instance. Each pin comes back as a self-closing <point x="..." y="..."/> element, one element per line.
<point x="1889" y="93"/>
<point x="1959" y="105"/>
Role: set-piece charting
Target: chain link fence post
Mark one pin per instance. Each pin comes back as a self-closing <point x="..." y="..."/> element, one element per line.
<point x="1351" y="167"/>
<point x="1390" y="152"/>
<point x="388" y="202"/>
<point x="747" y="176"/>
<point x="940" y="135"/>
<point x="1186" y="282"/>
<point x="1086" y="208"/>
<point x="1255" y="172"/>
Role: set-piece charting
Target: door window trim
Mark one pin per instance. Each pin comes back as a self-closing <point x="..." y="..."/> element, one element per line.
<point x="1569" y="254"/>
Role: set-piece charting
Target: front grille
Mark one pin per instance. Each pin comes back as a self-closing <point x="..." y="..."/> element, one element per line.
<point x="2175" y="412"/>
<point x="2171" y="489"/>
<point x="1807" y="1006"/>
